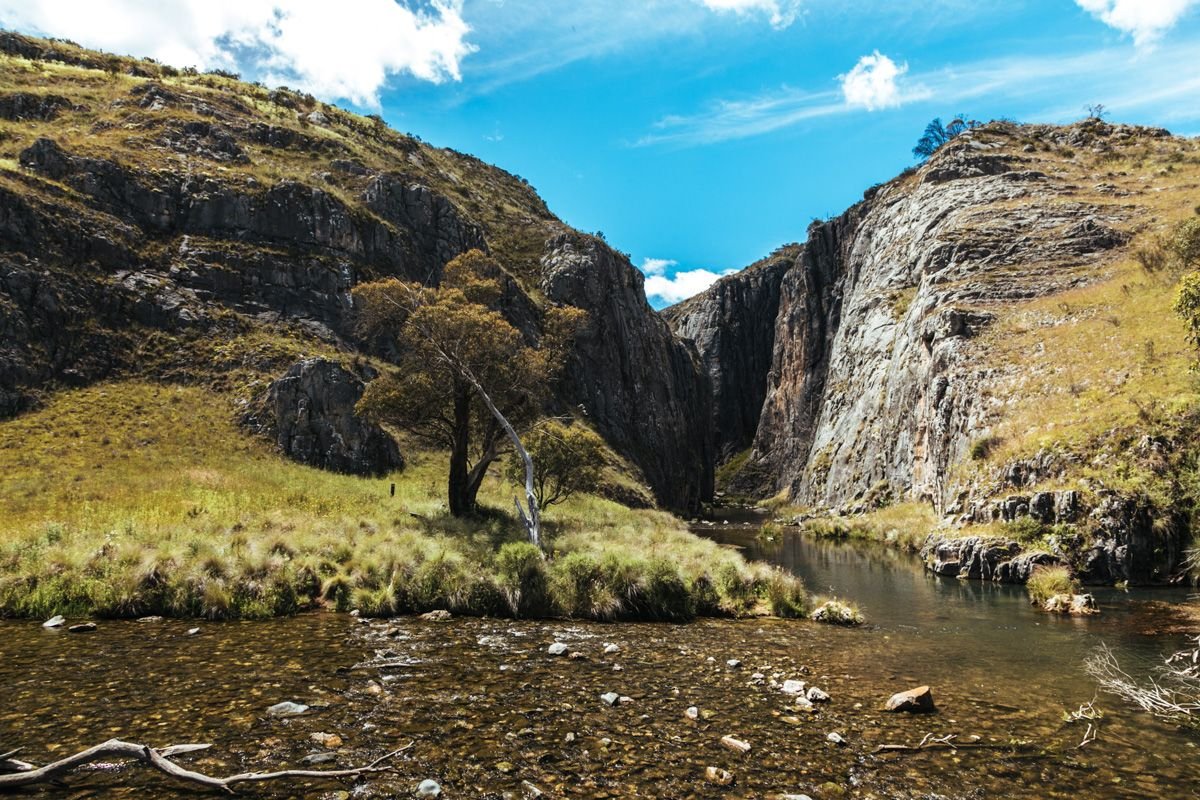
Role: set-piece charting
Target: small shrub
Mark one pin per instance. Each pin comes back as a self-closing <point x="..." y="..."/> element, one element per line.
<point x="1048" y="582"/>
<point x="1151" y="257"/>
<point x="1184" y="243"/>
<point x="983" y="447"/>
<point x="1024" y="529"/>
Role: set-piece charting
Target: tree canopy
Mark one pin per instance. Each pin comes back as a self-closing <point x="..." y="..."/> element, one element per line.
<point x="567" y="459"/>
<point x="936" y="135"/>
<point x="463" y="373"/>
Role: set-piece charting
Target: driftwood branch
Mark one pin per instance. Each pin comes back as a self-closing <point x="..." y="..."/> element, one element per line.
<point x="931" y="742"/>
<point x="160" y="760"/>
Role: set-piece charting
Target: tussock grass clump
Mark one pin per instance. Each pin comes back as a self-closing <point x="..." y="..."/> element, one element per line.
<point x="837" y="612"/>
<point x="1048" y="582"/>
<point x="161" y="505"/>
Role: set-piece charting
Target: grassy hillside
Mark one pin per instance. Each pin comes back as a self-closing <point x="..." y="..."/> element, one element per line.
<point x="99" y="116"/>
<point x="133" y="498"/>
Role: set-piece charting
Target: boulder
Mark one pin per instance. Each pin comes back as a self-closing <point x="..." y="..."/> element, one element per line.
<point x="309" y="412"/>
<point x="914" y="701"/>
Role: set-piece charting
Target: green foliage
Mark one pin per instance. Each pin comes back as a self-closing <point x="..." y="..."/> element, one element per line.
<point x="1184" y="243"/>
<point x="1048" y="582"/>
<point x="936" y="135"/>
<point x="983" y="447"/>
<point x="566" y="459"/>
<point x="1187" y="305"/>
<point x="462" y="365"/>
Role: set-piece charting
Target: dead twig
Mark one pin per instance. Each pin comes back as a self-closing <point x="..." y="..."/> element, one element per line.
<point x="159" y="759"/>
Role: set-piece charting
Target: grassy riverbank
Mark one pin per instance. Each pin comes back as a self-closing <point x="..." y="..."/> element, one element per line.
<point x="131" y="498"/>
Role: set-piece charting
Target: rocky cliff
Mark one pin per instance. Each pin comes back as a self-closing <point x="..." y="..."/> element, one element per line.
<point x="194" y="227"/>
<point x="733" y="327"/>
<point x="911" y="335"/>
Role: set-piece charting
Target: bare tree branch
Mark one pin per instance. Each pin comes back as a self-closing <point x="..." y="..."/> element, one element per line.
<point x="159" y="759"/>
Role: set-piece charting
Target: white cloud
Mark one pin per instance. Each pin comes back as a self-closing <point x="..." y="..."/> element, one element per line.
<point x="781" y="13"/>
<point x="1144" y="20"/>
<point x="657" y="266"/>
<point x="872" y="83"/>
<point x="334" y="50"/>
<point x="682" y="285"/>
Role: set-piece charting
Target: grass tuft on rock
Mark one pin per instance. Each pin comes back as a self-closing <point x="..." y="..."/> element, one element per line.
<point x="1048" y="582"/>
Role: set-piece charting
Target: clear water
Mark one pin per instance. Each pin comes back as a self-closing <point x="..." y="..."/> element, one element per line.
<point x="490" y="712"/>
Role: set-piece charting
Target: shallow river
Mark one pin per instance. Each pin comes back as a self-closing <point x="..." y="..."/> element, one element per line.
<point x="492" y="714"/>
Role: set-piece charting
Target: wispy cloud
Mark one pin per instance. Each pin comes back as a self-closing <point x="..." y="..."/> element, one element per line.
<point x="1145" y="20"/>
<point x="345" y="51"/>
<point x="739" y="119"/>
<point x="1164" y="82"/>
<point x="780" y="13"/>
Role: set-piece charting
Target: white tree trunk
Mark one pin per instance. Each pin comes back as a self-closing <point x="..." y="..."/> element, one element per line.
<point x="532" y="518"/>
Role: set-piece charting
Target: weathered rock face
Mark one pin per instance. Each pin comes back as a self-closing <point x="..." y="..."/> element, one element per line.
<point x="872" y="382"/>
<point x="983" y="558"/>
<point x="192" y="233"/>
<point x="309" y="412"/>
<point x="640" y="386"/>
<point x="733" y="327"/>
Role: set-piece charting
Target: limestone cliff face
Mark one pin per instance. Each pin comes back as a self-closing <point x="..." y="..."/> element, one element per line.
<point x="196" y="227"/>
<point x="873" y="383"/>
<point x="733" y="328"/>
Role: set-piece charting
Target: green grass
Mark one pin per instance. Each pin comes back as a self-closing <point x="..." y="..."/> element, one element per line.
<point x="904" y="525"/>
<point x="137" y="498"/>
<point x="1048" y="582"/>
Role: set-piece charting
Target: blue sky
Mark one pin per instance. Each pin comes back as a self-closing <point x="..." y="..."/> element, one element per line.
<point x="698" y="135"/>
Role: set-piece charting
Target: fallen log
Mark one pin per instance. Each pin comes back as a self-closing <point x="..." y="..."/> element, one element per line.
<point x="160" y="759"/>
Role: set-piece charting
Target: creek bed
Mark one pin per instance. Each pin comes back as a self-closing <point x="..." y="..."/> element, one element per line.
<point x="489" y="709"/>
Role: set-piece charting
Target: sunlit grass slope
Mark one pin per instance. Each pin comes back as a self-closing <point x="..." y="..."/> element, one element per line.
<point x="134" y="498"/>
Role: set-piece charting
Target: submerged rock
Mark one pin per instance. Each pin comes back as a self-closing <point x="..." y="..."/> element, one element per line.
<point x="735" y="744"/>
<point x="816" y="695"/>
<point x="718" y="776"/>
<point x="1073" y="604"/>
<point x="429" y="788"/>
<point x="287" y="709"/>
<point x="914" y="701"/>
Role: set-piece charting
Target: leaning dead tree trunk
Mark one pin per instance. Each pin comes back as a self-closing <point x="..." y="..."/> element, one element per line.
<point x="533" y="519"/>
<point x="160" y="759"/>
